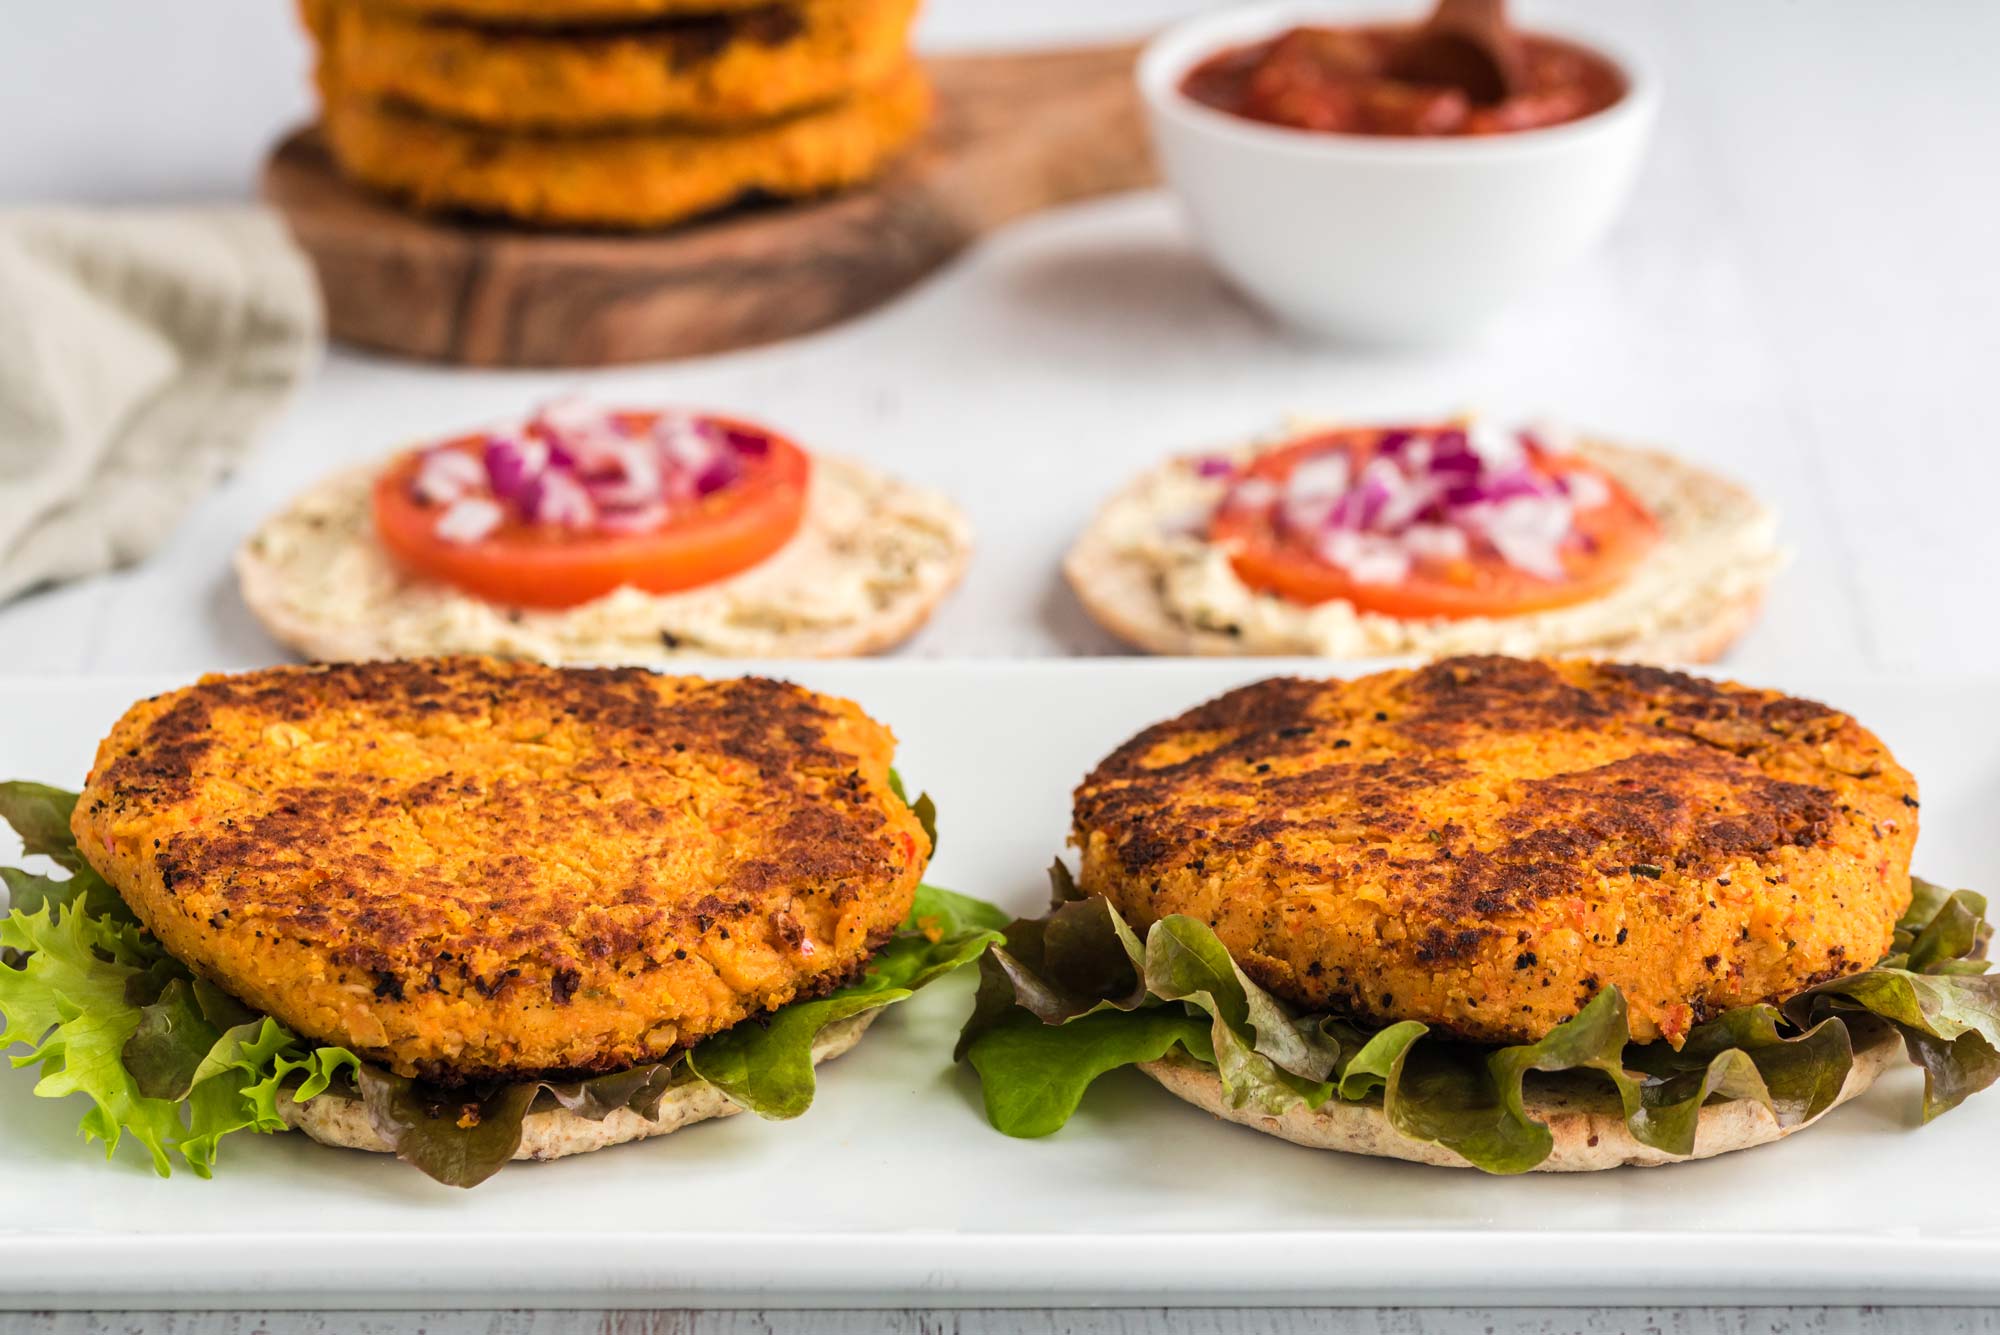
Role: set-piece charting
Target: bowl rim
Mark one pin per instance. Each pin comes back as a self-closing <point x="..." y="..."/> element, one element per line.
<point x="1169" y="55"/>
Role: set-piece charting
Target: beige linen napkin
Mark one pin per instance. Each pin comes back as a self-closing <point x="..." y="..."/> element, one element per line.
<point x="140" y="352"/>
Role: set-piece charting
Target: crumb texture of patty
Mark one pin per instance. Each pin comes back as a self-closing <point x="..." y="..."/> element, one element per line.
<point x="1484" y="843"/>
<point x="465" y="869"/>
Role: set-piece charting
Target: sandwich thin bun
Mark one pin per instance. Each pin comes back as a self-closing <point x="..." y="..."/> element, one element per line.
<point x="1582" y="1113"/>
<point x="557" y="1134"/>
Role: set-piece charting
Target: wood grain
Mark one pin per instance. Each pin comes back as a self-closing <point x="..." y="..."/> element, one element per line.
<point x="1014" y="133"/>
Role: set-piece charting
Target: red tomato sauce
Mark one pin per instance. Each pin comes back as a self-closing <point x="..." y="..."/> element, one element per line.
<point x="1335" y="80"/>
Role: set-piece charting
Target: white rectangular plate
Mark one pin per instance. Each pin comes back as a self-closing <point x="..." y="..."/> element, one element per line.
<point x="892" y="1190"/>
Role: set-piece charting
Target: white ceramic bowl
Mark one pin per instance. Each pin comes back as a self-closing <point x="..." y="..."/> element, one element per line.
<point x="1375" y="239"/>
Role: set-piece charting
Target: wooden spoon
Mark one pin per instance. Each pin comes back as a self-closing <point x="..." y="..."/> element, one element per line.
<point x="1467" y="45"/>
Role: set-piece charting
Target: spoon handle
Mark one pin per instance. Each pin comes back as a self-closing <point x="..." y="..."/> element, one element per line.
<point x="1465" y="44"/>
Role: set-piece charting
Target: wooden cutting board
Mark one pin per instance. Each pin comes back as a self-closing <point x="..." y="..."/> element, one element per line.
<point x="1014" y="133"/>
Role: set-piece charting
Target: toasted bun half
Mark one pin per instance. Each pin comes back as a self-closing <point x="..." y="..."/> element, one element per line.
<point x="1698" y="594"/>
<point x="1582" y="1114"/>
<point x="557" y="1134"/>
<point x="871" y="561"/>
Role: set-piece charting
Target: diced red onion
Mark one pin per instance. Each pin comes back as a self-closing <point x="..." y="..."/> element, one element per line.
<point x="1441" y="542"/>
<point x="750" y="444"/>
<point x="1508" y="486"/>
<point x="577" y="466"/>
<point x="1427" y="495"/>
<point x="1400" y="505"/>
<point x="513" y="463"/>
<point x="1328" y="475"/>
<point x="1528" y="532"/>
<point x="1214" y="465"/>
<point x="469" y="519"/>
<point x="444" y="475"/>
<point x="1367" y="558"/>
<point x="1363" y="506"/>
<point x="718" y="473"/>
<point x="558" y="499"/>
<point x="624" y="472"/>
<point x="684" y="440"/>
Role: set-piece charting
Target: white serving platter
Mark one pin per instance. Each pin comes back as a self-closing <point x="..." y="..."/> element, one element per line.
<point x="892" y="1190"/>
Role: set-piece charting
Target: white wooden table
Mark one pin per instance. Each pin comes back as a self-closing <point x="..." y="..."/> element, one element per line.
<point x="1804" y="293"/>
<point x="1115" y="1321"/>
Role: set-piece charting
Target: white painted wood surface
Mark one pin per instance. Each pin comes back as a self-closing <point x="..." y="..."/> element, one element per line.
<point x="1114" y="1321"/>
<point x="1804" y="293"/>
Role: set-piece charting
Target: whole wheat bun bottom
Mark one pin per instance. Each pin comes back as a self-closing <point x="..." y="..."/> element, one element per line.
<point x="556" y="1134"/>
<point x="1582" y="1114"/>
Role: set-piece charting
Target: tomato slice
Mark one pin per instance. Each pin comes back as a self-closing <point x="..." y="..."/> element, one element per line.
<point x="1608" y="540"/>
<point x="537" y="565"/>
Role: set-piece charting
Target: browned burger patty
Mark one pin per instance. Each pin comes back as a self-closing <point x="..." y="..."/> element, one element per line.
<point x="631" y="178"/>
<point x="467" y="869"/>
<point x="720" y="70"/>
<point x="1485" y="843"/>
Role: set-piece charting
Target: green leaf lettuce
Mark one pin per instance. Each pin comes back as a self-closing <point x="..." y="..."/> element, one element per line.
<point x="1076" y="993"/>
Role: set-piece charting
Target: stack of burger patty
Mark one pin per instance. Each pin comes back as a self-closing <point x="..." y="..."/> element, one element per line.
<point x="614" y="113"/>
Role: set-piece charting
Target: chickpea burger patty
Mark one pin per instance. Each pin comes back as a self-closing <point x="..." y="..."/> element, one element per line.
<point x="726" y="70"/>
<point x="626" y="178"/>
<point x="1485" y="844"/>
<point x="468" y="870"/>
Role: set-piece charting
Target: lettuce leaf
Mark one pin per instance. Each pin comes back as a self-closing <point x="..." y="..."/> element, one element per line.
<point x="65" y="1004"/>
<point x="1066" y="997"/>
<point x="767" y="1067"/>
<point x="463" y="1136"/>
<point x="923" y="808"/>
<point x="176" y="1064"/>
<point x="40" y="815"/>
<point x="93" y="1001"/>
<point x="1936" y="992"/>
<point x="1034" y="1075"/>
